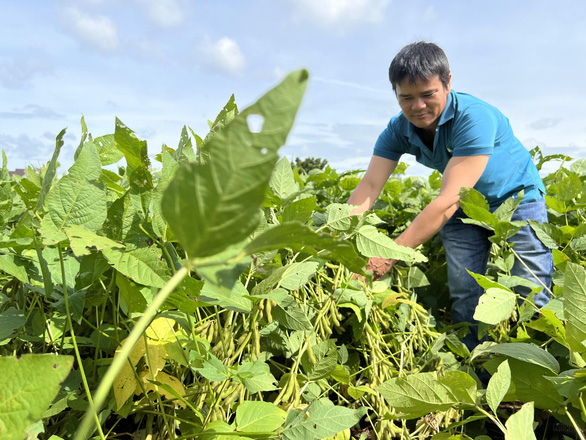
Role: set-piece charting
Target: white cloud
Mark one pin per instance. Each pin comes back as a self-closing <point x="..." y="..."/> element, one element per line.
<point x="96" y="31"/>
<point x="165" y="13"/>
<point x="31" y="111"/>
<point x="545" y="123"/>
<point x="18" y="73"/>
<point x="351" y="163"/>
<point x="343" y="13"/>
<point x="223" y="55"/>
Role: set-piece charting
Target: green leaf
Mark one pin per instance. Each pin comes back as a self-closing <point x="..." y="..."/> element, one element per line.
<point x="520" y="425"/>
<point x="495" y="305"/>
<point x="575" y="306"/>
<point x="213" y="369"/>
<point x="233" y="298"/>
<point x="325" y="420"/>
<point x="282" y="182"/>
<point x="131" y="299"/>
<point x="214" y="205"/>
<point x="252" y="416"/>
<point x="10" y="320"/>
<point x="418" y="394"/>
<point x="255" y="376"/>
<point x="51" y="170"/>
<point x="28" y="385"/>
<point x="557" y="205"/>
<point x="372" y="243"/>
<point x="108" y="150"/>
<point x="77" y="198"/>
<point x="142" y="265"/>
<point x="338" y="216"/>
<point x="522" y="351"/>
<point x="297" y="275"/>
<point x="15" y="266"/>
<point x="300" y="237"/>
<point x="476" y="207"/>
<point x="504" y="213"/>
<point x="137" y="172"/>
<point x="291" y="316"/>
<point x="326" y="356"/>
<point x="293" y="276"/>
<point x="498" y="386"/>
<point x="299" y="211"/>
<point x="548" y="233"/>
<point x="82" y="240"/>
<point x="530" y="383"/>
<point x="169" y="169"/>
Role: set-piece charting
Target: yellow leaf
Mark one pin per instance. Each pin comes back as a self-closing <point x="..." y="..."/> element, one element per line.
<point x="125" y="383"/>
<point x="169" y="380"/>
<point x="390" y="300"/>
<point x="159" y="329"/>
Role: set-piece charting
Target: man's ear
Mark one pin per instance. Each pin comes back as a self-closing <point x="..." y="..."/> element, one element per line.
<point x="449" y="87"/>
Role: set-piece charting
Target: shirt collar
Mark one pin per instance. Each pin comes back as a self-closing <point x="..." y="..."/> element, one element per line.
<point x="449" y="109"/>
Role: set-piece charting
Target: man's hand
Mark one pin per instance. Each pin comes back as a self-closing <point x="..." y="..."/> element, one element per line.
<point x="379" y="266"/>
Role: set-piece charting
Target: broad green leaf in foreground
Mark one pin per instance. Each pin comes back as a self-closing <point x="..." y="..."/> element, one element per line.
<point x="476" y="207"/>
<point x="28" y="385"/>
<point x="495" y="306"/>
<point x="254" y="416"/>
<point x="301" y="237"/>
<point x="498" y="386"/>
<point x="525" y="352"/>
<point x="324" y="420"/>
<point x="575" y="306"/>
<point x="529" y="383"/>
<point x="372" y="243"/>
<point x="520" y="425"/>
<point x="214" y="205"/>
<point x="419" y="394"/>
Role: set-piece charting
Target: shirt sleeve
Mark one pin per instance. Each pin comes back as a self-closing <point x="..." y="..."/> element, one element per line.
<point x="476" y="132"/>
<point x="388" y="144"/>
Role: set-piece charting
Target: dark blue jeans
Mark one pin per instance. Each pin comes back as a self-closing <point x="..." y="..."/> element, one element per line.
<point x="467" y="247"/>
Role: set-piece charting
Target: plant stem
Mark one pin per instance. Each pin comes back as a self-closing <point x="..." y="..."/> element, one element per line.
<point x="119" y="361"/>
<point x="576" y="427"/>
<point x="74" y="340"/>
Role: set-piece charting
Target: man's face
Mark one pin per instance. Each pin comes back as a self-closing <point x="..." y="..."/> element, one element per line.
<point x="423" y="102"/>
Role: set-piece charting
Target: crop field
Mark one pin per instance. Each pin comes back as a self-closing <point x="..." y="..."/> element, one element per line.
<point x="213" y="295"/>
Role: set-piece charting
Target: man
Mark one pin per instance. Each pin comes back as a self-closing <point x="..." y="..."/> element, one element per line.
<point x="472" y="144"/>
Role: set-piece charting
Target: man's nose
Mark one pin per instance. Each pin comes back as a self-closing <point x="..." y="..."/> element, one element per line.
<point x="418" y="104"/>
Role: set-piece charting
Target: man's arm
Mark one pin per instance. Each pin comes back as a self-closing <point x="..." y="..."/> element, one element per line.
<point x="461" y="172"/>
<point x="372" y="183"/>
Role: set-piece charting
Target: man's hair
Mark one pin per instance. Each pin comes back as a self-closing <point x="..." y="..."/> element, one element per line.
<point x="419" y="61"/>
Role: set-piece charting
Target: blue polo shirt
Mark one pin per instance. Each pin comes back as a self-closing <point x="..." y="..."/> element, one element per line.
<point x="469" y="126"/>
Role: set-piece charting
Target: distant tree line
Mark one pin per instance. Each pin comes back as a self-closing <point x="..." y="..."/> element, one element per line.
<point x="309" y="163"/>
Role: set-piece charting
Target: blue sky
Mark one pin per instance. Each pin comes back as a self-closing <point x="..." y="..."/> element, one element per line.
<point x="161" y="64"/>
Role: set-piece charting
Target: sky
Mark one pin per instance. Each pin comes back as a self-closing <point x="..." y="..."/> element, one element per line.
<point x="159" y="65"/>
